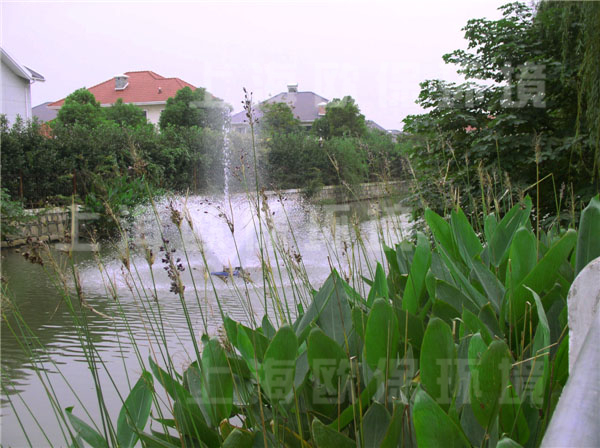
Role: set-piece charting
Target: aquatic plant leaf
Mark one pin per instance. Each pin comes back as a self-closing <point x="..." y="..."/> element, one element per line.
<point x="217" y="390"/>
<point x="175" y="390"/>
<point x="381" y="335"/>
<point x="380" y="286"/>
<point x="522" y="256"/>
<point x="87" y="433"/>
<point x="512" y="417"/>
<point x="279" y="366"/>
<point x="477" y="348"/>
<point x="267" y="327"/>
<point x="442" y="232"/>
<point x="489" y="379"/>
<point x="359" y="321"/>
<point x="410" y="329"/>
<point x="472" y="324"/>
<point x="541" y="348"/>
<point x="438" y="362"/>
<point x="467" y="240"/>
<point x="490" y="283"/>
<point x="327" y="361"/>
<point x="394" y="429"/>
<point x="433" y="427"/>
<point x="375" y="425"/>
<point x="505" y="230"/>
<point x="155" y="440"/>
<point x="325" y="437"/>
<point x="542" y="276"/>
<point x="588" y="240"/>
<point x="239" y="439"/>
<point x="415" y="284"/>
<point x="506" y="442"/>
<point x="454" y="297"/>
<point x="330" y="310"/>
<point x="135" y="411"/>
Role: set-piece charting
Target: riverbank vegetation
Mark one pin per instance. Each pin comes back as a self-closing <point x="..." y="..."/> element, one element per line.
<point x="339" y="149"/>
<point x="525" y="122"/>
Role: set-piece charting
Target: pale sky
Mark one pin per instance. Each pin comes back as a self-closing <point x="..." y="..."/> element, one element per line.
<point x="375" y="51"/>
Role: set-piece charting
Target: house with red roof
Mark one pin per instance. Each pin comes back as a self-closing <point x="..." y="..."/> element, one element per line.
<point x="145" y="89"/>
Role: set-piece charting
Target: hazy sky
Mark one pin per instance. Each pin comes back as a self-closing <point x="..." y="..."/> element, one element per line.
<point x="375" y="51"/>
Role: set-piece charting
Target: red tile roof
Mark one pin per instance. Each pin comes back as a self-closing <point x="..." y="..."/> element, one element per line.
<point x="144" y="87"/>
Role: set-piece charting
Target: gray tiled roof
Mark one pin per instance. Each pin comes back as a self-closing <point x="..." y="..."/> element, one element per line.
<point x="303" y="104"/>
<point x="43" y="112"/>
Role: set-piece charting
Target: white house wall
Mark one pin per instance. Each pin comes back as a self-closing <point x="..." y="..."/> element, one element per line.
<point x="16" y="95"/>
<point x="153" y="112"/>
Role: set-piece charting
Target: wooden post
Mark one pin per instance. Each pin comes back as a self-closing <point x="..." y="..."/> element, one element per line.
<point x="74" y="182"/>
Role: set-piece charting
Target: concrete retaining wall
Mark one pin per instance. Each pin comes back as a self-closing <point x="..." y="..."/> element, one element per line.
<point x="342" y="193"/>
<point x="44" y="225"/>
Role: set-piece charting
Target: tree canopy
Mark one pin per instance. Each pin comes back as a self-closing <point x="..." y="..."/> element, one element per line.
<point x="193" y="108"/>
<point x="529" y="125"/>
<point x="342" y="118"/>
<point x="278" y="118"/>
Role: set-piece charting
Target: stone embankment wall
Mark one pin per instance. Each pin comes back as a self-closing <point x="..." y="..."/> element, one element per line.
<point x="43" y="225"/>
<point x="341" y="193"/>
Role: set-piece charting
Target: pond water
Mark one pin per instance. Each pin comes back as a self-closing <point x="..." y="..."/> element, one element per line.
<point x="41" y="347"/>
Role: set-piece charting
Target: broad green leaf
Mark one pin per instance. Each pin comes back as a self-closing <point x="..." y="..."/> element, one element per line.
<point x="410" y="328"/>
<point x="279" y="366"/>
<point x="330" y="310"/>
<point x="506" y="229"/>
<point x="505" y="442"/>
<point x="512" y="418"/>
<point x="491" y="285"/>
<point x="442" y="232"/>
<point x="359" y="321"/>
<point x="472" y="324"/>
<point x="488" y="316"/>
<point x="471" y="427"/>
<point x="380" y="286"/>
<point x="489" y="379"/>
<point x="239" y="439"/>
<point x="246" y="348"/>
<point x="467" y="240"/>
<point x="433" y="427"/>
<point x="438" y="362"/>
<point x="154" y="441"/>
<point x="348" y="414"/>
<point x="268" y="329"/>
<point x="381" y="335"/>
<point x="327" y="360"/>
<point x="588" y="240"/>
<point x="395" y="426"/>
<point x="326" y="437"/>
<point x="541" y="348"/>
<point x="189" y="416"/>
<point x="375" y="425"/>
<point x="522" y="257"/>
<point x="477" y="348"/>
<point x="489" y="226"/>
<point x="543" y="275"/>
<point x="454" y="297"/>
<point x="217" y="390"/>
<point x="172" y="386"/>
<point x="415" y="285"/>
<point x="87" y="433"/>
<point x="135" y="411"/>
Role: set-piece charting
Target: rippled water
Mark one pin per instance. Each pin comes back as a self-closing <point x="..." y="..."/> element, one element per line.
<point x="126" y="306"/>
